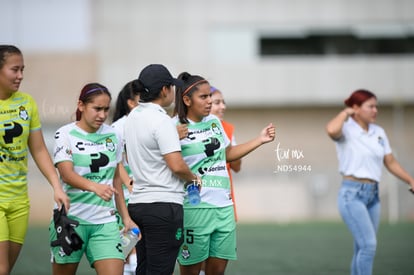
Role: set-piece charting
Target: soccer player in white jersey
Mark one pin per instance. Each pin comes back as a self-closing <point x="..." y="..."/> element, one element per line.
<point x="88" y="155"/>
<point x="209" y="227"/>
<point x="127" y="99"/>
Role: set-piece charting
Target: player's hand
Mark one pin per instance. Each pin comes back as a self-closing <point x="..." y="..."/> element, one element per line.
<point x="104" y="191"/>
<point x="61" y="198"/>
<point x="182" y="130"/>
<point x="129" y="224"/>
<point x="268" y="133"/>
<point x="349" y="111"/>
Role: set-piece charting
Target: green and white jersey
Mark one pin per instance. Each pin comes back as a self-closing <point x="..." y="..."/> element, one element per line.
<point x="18" y="117"/>
<point x="204" y="150"/>
<point x="95" y="157"/>
<point x="119" y="128"/>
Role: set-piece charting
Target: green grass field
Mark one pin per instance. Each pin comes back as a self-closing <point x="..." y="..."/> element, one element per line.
<point x="301" y="249"/>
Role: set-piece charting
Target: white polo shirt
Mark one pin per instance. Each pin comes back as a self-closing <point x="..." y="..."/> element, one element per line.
<point x="149" y="134"/>
<point x="360" y="153"/>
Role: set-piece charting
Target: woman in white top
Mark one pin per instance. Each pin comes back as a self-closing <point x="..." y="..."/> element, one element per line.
<point x="362" y="149"/>
<point x="154" y="156"/>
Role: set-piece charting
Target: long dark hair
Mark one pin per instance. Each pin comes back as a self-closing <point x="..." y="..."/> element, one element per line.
<point x="121" y="106"/>
<point x="88" y="93"/>
<point x="191" y="83"/>
<point x="5" y="51"/>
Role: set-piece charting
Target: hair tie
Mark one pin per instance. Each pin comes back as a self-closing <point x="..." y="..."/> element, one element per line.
<point x="213" y="89"/>
<point x="93" y="90"/>
<point x="192" y="86"/>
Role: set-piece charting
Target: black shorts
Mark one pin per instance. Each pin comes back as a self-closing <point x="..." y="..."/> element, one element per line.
<point x="161" y="226"/>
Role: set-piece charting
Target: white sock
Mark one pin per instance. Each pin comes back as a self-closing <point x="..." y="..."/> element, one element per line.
<point x="132" y="259"/>
<point x="127" y="269"/>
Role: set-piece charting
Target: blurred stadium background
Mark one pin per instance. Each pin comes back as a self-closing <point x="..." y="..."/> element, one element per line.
<point x="287" y="62"/>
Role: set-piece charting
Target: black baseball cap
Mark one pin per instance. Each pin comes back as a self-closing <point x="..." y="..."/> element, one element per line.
<point x="155" y="76"/>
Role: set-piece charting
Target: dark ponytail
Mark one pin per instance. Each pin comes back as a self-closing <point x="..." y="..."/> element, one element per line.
<point x="146" y="95"/>
<point x="128" y="92"/>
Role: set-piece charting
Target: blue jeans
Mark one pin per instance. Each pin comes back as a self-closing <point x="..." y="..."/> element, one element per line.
<point x="360" y="208"/>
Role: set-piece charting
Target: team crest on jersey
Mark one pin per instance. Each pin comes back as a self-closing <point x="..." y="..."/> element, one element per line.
<point x="179" y="234"/>
<point x="23" y="113"/>
<point x="185" y="253"/>
<point x="381" y="141"/>
<point x="110" y="145"/>
<point x="61" y="252"/>
<point x="215" y="128"/>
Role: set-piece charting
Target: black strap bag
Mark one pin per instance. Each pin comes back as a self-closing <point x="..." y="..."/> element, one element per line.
<point x="67" y="237"/>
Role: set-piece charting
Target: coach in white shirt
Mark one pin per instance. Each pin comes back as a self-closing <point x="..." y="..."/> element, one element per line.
<point x="154" y="156"/>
